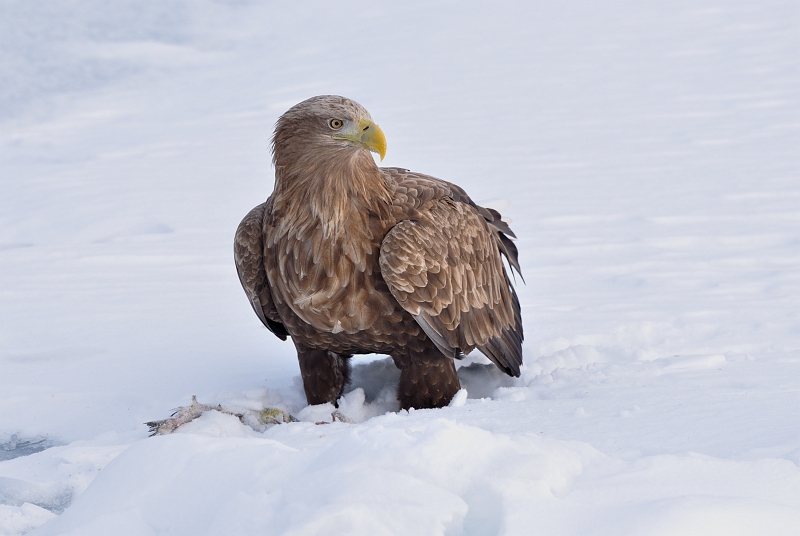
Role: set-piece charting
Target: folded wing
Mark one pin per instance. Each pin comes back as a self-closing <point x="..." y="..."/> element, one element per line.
<point x="248" y="251"/>
<point x="444" y="267"/>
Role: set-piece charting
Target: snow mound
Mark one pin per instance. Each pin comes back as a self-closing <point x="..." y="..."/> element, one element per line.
<point x="22" y="519"/>
<point x="397" y="475"/>
<point x="419" y="472"/>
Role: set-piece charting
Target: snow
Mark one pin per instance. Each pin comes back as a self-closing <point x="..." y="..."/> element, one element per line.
<point x="646" y="154"/>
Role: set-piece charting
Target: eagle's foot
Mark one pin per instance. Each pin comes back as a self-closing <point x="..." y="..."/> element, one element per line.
<point x="427" y="381"/>
<point x="324" y="374"/>
<point x="257" y="420"/>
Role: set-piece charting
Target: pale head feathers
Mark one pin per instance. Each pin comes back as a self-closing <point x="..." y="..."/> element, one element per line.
<point x="304" y="129"/>
<point x="322" y="180"/>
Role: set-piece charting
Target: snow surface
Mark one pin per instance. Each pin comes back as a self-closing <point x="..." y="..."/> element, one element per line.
<point x="648" y="156"/>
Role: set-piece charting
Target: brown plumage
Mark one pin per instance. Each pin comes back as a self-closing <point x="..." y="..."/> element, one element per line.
<point x="349" y="258"/>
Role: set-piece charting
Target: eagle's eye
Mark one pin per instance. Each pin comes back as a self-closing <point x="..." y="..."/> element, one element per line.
<point x="335" y="124"/>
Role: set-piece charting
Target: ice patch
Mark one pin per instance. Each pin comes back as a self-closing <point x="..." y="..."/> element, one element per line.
<point x="54" y="497"/>
<point x="34" y="488"/>
<point x="15" y="446"/>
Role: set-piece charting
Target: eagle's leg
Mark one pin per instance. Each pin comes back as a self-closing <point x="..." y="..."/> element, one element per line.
<point x="427" y="380"/>
<point x="324" y="374"/>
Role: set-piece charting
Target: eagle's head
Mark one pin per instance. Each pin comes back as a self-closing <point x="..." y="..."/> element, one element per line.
<point x="325" y="126"/>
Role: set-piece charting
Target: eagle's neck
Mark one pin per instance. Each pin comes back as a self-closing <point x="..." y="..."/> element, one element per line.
<point x="336" y="197"/>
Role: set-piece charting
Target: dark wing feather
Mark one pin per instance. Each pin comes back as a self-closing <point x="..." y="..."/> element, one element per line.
<point x="494" y="219"/>
<point x="444" y="267"/>
<point x="248" y="251"/>
<point x="416" y="190"/>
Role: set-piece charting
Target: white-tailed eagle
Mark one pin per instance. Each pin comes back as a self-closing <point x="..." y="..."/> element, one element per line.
<point x="349" y="258"/>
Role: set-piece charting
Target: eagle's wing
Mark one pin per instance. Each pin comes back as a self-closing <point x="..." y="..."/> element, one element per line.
<point x="443" y="265"/>
<point x="248" y="251"/>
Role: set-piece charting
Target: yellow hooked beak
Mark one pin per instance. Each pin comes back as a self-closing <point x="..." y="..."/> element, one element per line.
<point x="369" y="136"/>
